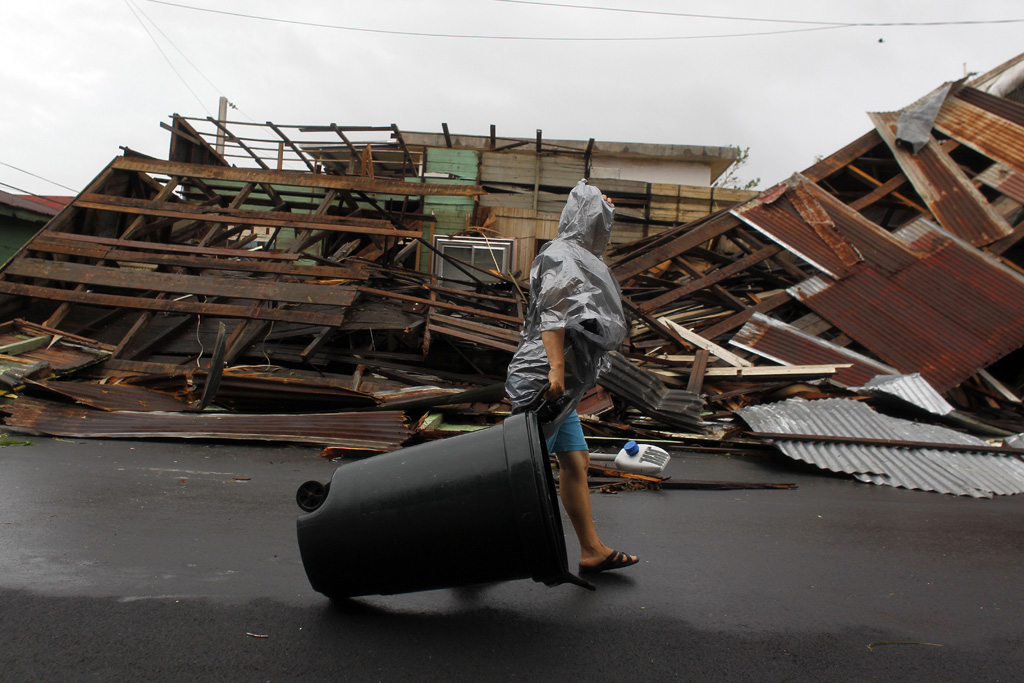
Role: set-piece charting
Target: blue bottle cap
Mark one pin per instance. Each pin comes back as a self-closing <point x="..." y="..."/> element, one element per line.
<point x="631" y="448"/>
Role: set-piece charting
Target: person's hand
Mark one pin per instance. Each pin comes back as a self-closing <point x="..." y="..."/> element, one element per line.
<point x="607" y="201"/>
<point x="556" y="376"/>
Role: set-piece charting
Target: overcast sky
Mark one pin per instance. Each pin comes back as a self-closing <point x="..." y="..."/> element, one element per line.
<point x="81" y="78"/>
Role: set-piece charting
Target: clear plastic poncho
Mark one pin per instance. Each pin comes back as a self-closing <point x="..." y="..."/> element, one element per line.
<point x="571" y="288"/>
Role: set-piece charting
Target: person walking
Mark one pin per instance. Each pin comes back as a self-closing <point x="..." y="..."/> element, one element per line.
<point x="574" y="318"/>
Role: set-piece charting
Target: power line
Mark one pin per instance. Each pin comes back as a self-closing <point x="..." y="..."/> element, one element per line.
<point x="185" y="57"/>
<point x="70" y="189"/>
<point x="168" y="39"/>
<point x="673" y="14"/>
<point x="812" y="25"/>
<point x="834" y="24"/>
<point x="296" y="22"/>
<point x="164" y="54"/>
<point x="43" y="200"/>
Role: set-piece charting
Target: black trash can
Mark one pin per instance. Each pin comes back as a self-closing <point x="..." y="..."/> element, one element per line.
<point x="476" y="508"/>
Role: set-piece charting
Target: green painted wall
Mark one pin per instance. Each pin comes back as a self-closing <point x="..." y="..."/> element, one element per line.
<point x="451" y="213"/>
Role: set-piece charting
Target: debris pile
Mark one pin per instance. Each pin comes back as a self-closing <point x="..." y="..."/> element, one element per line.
<point x="295" y="302"/>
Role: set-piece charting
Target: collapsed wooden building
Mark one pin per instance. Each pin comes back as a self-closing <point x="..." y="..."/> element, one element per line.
<point x="266" y="274"/>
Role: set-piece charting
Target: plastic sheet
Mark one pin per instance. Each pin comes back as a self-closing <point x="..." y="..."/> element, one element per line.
<point x="571" y="288"/>
<point x="914" y="125"/>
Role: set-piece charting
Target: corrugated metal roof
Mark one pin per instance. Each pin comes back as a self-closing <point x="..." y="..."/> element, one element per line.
<point x="983" y="131"/>
<point x="382" y="430"/>
<point x="782" y="343"/>
<point x="114" y="396"/>
<point x="963" y="473"/>
<point x="912" y="388"/>
<point x="48" y="206"/>
<point x="953" y="311"/>
<point x="643" y="389"/>
<point x="952" y="199"/>
<point x="824" y="246"/>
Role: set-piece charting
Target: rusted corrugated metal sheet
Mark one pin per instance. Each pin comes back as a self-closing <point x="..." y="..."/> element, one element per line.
<point x="782" y="343"/>
<point x="381" y="431"/>
<point x="1000" y="106"/>
<point x="47" y="351"/>
<point x="114" y="396"/>
<point x="986" y="132"/>
<point x="964" y="473"/>
<point x="836" y="248"/>
<point x="1005" y="180"/>
<point x="948" y="192"/>
<point x="954" y="311"/>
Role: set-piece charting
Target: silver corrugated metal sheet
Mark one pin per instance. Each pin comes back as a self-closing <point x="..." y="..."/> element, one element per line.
<point x="912" y="388"/>
<point x="643" y="389"/>
<point x="962" y="473"/>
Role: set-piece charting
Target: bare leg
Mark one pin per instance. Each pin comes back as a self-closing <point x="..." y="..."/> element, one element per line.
<point x="572" y="481"/>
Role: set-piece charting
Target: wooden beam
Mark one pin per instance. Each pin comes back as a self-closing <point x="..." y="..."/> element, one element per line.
<point x="700" y="365"/>
<point x="216" y="214"/>
<point x="233" y="288"/>
<point x="169" y="306"/>
<point x="700" y="342"/>
<point x="294" y="178"/>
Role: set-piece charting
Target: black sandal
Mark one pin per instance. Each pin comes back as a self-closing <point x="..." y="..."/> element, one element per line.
<point x="615" y="560"/>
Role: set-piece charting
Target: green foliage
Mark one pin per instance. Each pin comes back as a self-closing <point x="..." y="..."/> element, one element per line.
<point x="731" y="180"/>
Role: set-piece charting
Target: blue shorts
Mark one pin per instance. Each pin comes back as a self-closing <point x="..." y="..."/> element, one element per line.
<point x="569" y="436"/>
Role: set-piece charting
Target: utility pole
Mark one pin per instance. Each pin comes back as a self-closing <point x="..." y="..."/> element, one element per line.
<point x="222" y="117"/>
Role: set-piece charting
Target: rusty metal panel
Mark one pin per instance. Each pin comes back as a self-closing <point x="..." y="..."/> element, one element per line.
<point x="949" y="193"/>
<point x="841" y="240"/>
<point x="55" y="353"/>
<point x="948" y="316"/>
<point x="982" y="131"/>
<point x="114" y="396"/>
<point x="785" y="344"/>
<point x="1000" y="106"/>
<point x="382" y="431"/>
<point x="1005" y="180"/>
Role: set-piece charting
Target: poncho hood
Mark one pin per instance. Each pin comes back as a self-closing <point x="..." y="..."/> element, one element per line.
<point x="587" y="219"/>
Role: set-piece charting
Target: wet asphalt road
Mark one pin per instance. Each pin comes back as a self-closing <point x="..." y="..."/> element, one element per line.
<point x="137" y="561"/>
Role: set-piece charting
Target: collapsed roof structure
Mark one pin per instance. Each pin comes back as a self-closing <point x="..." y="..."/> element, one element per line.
<point x="264" y="289"/>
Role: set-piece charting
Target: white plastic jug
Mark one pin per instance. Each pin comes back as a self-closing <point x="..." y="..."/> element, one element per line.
<point x="641" y="458"/>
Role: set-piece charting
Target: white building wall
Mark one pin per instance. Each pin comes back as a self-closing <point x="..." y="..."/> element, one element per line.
<point x="651" y="171"/>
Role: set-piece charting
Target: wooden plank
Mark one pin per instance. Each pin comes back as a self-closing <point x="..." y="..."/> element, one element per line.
<point x="461" y="323"/>
<point x="740" y="319"/>
<point x="197" y="213"/>
<point x="652" y="257"/>
<point x="231" y="288"/>
<point x="468" y="336"/>
<point x="301" y="179"/>
<point x="174" y="248"/>
<point x="440" y="304"/>
<point x="198" y="262"/>
<point x="169" y="305"/>
<point x="700" y="366"/>
<point x="700" y="342"/>
<point x="714" y="277"/>
<point x="776" y="371"/>
<point x="23" y="345"/>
